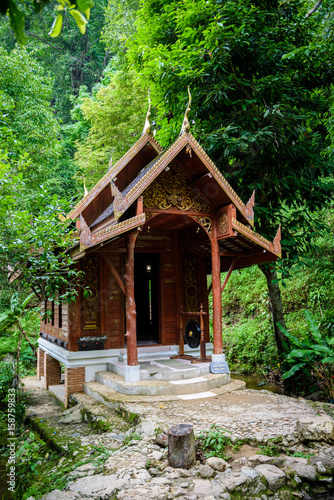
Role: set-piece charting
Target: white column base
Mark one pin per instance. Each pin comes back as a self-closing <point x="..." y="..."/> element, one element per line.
<point x="132" y="374"/>
<point x="218" y="364"/>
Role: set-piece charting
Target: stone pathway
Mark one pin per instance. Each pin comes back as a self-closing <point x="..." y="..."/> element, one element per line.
<point x="139" y="470"/>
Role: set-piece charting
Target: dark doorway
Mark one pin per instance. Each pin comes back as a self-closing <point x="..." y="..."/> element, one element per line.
<point x="147" y="297"/>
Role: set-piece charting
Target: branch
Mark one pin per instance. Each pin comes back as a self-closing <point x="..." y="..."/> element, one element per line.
<point x="48" y="42"/>
<point x="26" y="337"/>
<point x="314" y="8"/>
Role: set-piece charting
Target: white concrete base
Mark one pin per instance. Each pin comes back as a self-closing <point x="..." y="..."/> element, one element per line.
<point x="132" y="374"/>
<point x="218" y="358"/>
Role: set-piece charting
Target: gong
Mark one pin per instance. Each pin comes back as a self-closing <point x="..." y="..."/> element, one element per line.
<point x="192" y="334"/>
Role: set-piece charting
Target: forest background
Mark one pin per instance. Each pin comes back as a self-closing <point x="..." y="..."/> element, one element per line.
<point x="260" y="74"/>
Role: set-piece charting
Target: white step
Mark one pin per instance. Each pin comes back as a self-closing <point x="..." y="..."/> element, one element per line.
<point x="162" y="387"/>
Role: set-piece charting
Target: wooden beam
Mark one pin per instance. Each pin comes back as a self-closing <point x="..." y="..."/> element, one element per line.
<point x="229" y="272"/>
<point x="114" y="272"/>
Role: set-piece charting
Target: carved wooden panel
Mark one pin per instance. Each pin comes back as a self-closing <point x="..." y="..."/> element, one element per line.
<point x="191" y="286"/>
<point x="90" y="304"/>
<point x="170" y="190"/>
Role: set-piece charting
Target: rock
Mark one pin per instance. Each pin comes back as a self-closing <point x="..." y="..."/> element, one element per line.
<point x="225" y="496"/>
<point x="248" y="471"/>
<point x="72" y="416"/>
<point x="203" y="487"/>
<point x="217" y="463"/>
<point x="206" y="471"/>
<point x="162" y="440"/>
<point x="316" y="429"/>
<point x="156" y="455"/>
<point x="305" y="472"/>
<point x="146" y="428"/>
<point x="60" y="495"/>
<point x="99" y="487"/>
<point x="323" y="465"/>
<point x="315" y="396"/>
<point x="231" y="480"/>
<point x="142" y="474"/>
<point x="259" y="459"/>
<point x="295" y="460"/>
<point x="273" y="475"/>
<point x="86" y="467"/>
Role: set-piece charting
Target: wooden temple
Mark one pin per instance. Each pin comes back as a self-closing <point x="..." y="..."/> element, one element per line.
<point x="150" y="232"/>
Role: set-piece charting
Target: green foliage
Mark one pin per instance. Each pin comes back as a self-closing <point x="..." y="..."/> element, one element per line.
<point x="116" y="116"/>
<point x="119" y="24"/>
<point x="259" y="109"/>
<point x="271" y="450"/>
<point x="80" y="11"/>
<point x="25" y="115"/>
<point x="313" y="354"/>
<point x="215" y="441"/>
<point x="34" y="241"/>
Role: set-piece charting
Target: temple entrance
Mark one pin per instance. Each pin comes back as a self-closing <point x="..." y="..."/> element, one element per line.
<point x="147" y="270"/>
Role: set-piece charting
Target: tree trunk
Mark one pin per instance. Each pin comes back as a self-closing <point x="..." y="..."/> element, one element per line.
<point x="276" y="305"/>
<point x="181" y="446"/>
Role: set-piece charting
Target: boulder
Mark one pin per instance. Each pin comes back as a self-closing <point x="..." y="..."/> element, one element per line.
<point x="101" y="486"/>
<point x="60" y="495"/>
<point x="316" y="429"/>
<point x="324" y="465"/>
<point x="205" y="471"/>
<point x="217" y="464"/>
<point x="305" y="472"/>
<point x="259" y="459"/>
<point x="273" y="475"/>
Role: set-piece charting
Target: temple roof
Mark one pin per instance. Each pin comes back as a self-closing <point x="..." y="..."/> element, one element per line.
<point x="110" y="209"/>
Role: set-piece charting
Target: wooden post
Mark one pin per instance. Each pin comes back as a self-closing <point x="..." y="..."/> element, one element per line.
<point x="201" y="320"/>
<point x="130" y="305"/>
<point x="216" y="291"/>
<point x="181" y="339"/>
<point x="181" y="446"/>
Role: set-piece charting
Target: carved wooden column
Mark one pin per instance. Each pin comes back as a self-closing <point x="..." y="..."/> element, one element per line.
<point x="216" y="291"/>
<point x="132" y="371"/>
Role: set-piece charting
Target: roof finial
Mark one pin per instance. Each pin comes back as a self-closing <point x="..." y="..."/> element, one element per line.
<point x="147" y="126"/>
<point x="186" y="125"/>
<point x="85" y="189"/>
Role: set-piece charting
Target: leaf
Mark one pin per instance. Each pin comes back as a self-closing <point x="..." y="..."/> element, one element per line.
<point x="16" y="18"/>
<point x="56" y="26"/>
<point x="79" y="19"/>
<point x="293" y="370"/>
<point x="313" y="326"/>
<point x="84" y="5"/>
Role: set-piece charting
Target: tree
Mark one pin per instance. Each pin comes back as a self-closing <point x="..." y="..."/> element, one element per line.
<point x="69" y="60"/>
<point x="79" y="10"/>
<point x="112" y="118"/>
<point x="260" y="94"/>
<point x="25" y="93"/>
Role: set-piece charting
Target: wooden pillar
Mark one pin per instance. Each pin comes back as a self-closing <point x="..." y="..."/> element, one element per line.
<point x="216" y="291"/>
<point x="130" y="304"/>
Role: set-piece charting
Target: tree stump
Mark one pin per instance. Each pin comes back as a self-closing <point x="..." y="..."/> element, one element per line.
<point x="181" y="446"/>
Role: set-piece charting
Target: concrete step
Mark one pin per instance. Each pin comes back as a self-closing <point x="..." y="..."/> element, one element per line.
<point x="164" y="369"/>
<point x="150" y="352"/>
<point x="112" y="399"/>
<point x="162" y="387"/>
